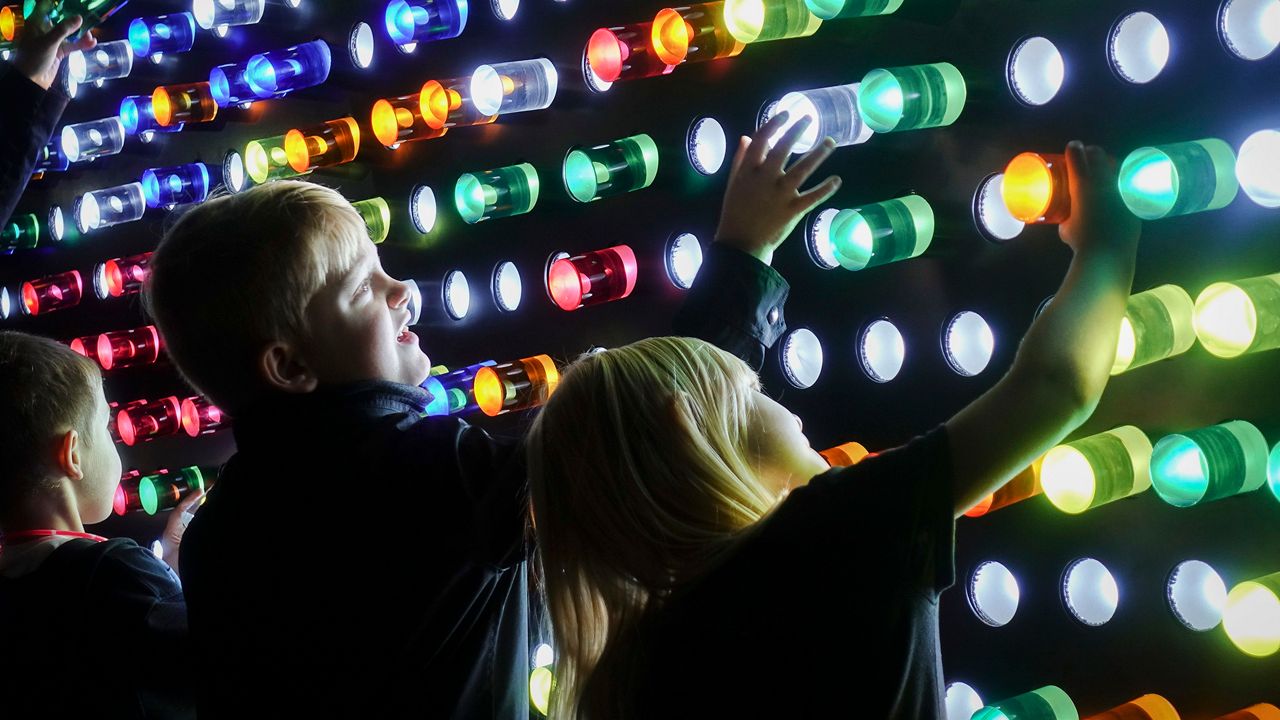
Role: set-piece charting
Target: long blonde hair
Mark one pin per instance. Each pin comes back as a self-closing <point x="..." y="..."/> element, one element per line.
<point x="640" y="480"/>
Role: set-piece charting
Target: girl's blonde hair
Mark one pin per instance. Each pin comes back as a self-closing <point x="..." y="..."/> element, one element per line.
<point x="640" y="480"/>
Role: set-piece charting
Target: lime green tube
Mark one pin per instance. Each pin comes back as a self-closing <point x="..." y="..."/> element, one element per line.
<point x="1157" y="324"/>
<point x="266" y="159"/>
<point x="611" y="169"/>
<point x="1086" y="473"/>
<point x="1210" y="463"/>
<point x="882" y="232"/>
<point x="837" y="9"/>
<point x="752" y="21"/>
<point x="1178" y="179"/>
<point x="912" y="97"/>
<point x="1235" y="318"/>
<point x="506" y="191"/>
<point x="1251" y="616"/>
<point x="1046" y="703"/>
<point x="377" y="217"/>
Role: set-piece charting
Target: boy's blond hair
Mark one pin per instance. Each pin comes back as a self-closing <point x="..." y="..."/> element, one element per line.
<point x="235" y="274"/>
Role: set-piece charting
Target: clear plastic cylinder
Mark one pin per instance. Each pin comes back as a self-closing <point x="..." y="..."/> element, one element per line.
<point x="1252" y="616"/>
<point x="453" y="392"/>
<point x="137" y="116"/>
<point x="128" y="348"/>
<point x="882" y="232"/>
<point x="503" y="192"/>
<point x="1178" y="179"/>
<point x="163" y="491"/>
<point x="161" y="34"/>
<point x="331" y="143"/>
<point x="213" y="14"/>
<point x="93" y="139"/>
<point x="514" y="386"/>
<point x="51" y="158"/>
<point x="55" y="292"/>
<point x="176" y="185"/>
<point x="447" y="103"/>
<point x="512" y="87"/>
<point x="21" y="233"/>
<point x="110" y="206"/>
<point x="1086" y="473"/>
<point x="912" y="97"/>
<point x="104" y="61"/>
<point x="279" y="72"/>
<point x="832" y="111"/>
<point x="1046" y="703"/>
<point x="610" y="169"/>
<point x="1211" y="463"/>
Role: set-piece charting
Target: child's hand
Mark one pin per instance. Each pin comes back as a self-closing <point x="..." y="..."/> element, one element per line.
<point x="1099" y="219"/>
<point x="176" y="527"/>
<point x="763" y="202"/>
<point x="42" y="48"/>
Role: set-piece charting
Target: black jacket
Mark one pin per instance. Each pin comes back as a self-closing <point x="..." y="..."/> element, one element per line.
<point x="28" y="115"/>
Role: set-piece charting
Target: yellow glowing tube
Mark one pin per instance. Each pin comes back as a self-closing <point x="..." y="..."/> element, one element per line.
<point x="1147" y="707"/>
<point x="1252" y="616"/>
<point x="447" y="103"/>
<point x="845" y="454"/>
<point x="694" y="33"/>
<point x="266" y="159"/>
<point x="377" y="217"/>
<point x="1035" y="188"/>
<point x="760" y="20"/>
<point x="1096" y="470"/>
<point x="331" y="143"/>
<point x="1234" y="318"/>
<point x="1156" y="325"/>
<point x="1261" y="711"/>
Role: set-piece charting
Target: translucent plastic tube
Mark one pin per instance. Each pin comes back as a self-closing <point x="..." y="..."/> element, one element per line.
<point x="512" y="87"/>
<point x="1178" y="179"/>
<point x="105" y="61"/>
<point x="399" y="120"/>
<point x="751" y="21"/>
<point x="213" y="14"/>
<point x="447" y="103"/>
<point x="154" y="36"/>
<point x="515" y="386"/>
<point x="278" y="72"/>
<point x="177" y="185"/>
<point x="1240" y="317"/>
<point x="837" y="9"/>
<point x="1199" y="466"/>
<point x="613" y="168"/>
<point x="1157" y="324"/>
<point x="693" y="33"/>
<point x="93" y="139"/>
<point x="883" y="232"/>
<point x="110" y="206"/>
<point x="503" y="192"/>
<point x="625" y="52"/>
<point x="331" y="143"/>
<point x="832" y="111"/>
<point x="912" y="97"/>
<point x="1090" y="472"/>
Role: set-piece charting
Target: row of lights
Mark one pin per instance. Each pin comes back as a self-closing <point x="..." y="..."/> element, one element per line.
<point x="1052" y="703"/>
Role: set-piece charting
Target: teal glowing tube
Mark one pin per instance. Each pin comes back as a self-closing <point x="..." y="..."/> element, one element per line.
<point x="912" y="97"/>
<point x="611" y="169"/>
<point x="503" y="192"/>
<point x="1156" y="325"/>
<point x="836" y="9"/>
<point x="1273" y="471"/>
<point x="1046" y="703"/>
<point x="1208" y="464"/>
<point x="1178" y="179"/>
<point x="882" y="232"/>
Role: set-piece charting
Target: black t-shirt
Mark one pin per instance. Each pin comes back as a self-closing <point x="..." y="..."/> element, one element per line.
<point x="96" y="630"/>
<point x="827" y="610"/>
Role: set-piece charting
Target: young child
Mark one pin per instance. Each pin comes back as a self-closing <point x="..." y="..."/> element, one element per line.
<point x="90" y="627"/>
<point x="702" y="561"/>
<point x="403" y="588"/>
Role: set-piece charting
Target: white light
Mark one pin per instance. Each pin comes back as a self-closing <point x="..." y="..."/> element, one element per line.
<point x="233" y="175"/>
<point x="1138" y="47"/>
<point x="222" y="31"/>
<point x="802" y="358"/>
<point x="993" y="594"/>
<point x="1250" y="28"/>
<point x="1258" y="167"/>
<point x="360" y="45"/>
<point x="796" y="105"/>
<point x="962" y="701"/>
<point x="6" y="305"/>
<point x="77" y="66"/>
<point x="543" y="656"/>
<point x="1090" y="592"/>
<point x="88" y="214"/>
<point x="881" y="351"/>
<point x="967" y="343"/>
<point x="157" y="549"/>
<point x="506" y="9"/>
<point x="415" y="302"/>
<point x="100" y="281"/>
<point x="422" y="208"/>
<point x="457" y="295"/>
<point x="990" y="212"/>
<point x="57" y="225"/>
<point x="295" y="4"/>
<point x="1035" y="71"/>
<point x="684" y="259"/>
<point x="821" y="250"/>
<point x="70" y="144"/>
<point x="486" y="90"/>
<point x="507" y="288"/>
<point x="1197" y="595"/>
<point x="707" y="145"/>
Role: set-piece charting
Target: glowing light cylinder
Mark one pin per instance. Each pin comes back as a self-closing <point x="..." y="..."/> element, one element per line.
<point x="1273" y="470"/>
<point x="512" y="87"/>
<point x="155" y="36"/>
<point x="1046" y="703"/>
<point x="515" y="386"/>
<point x="110" y="206"/>
<point x="93" y="139"/>
<point x="51" y="158"/>
<point x="1036" y="189"/>
<point x="1261" y="711"/>
<point x="229" y="85"/>
<point x="1157" y="324"/>
<point x="592" y="278"/>
<point x="1252" y="616"/>
<point x="163" y="491"/>
<point x="845" y="454"/>
<point x="1207" y="464"/>
<point x="456" y="390"/>
<point x="1235" y="318"/>
<point x="267" y="159"/>
<point x="610" y="169"/>
<point x="105" y="61"/>
<point x="447" y="103"/>
<point x="912" y="97"/>
<point x="92" y="11"/>
<point x="425" y="20"/>
<point x="832" y="111"/>
<point x="541" y="682"/>
<point x="126" y="498"/>
<point x="506" y="191"/>
<point x="122" y="276"/>
<point x="693" y="33"/>
<point x="377" y="217"/>
<point x="55" y="292"/>
<point x="1023" y="486"/>
<point x="220" y="14"/>
<point x="128" y="348"/>
<point x="1086" y="473"/>
<point x="148" y="421"/>
<point x="331" y="143"/>
<point x="882" y="232"/>
<point x="176" y="185"/>
<point x="86" y="346"/>
<point x="187" y="103"/>
<point x="201" y="417"/>
<point x="1147" y="707"/>
<point x="625" y="52"/>
<point x="751" y="21"/>
<point x="22" y="233"/>
<point x="11" y="23"/>
<point x="1178" y="179"/>
<point x="837" y="9"/>
<point x="1249" y="29"/>
<point x="279" y="72"/>
<point x="137" y="116"/>
<point x="1257" y="163"/>
<point x="399" y="120"/>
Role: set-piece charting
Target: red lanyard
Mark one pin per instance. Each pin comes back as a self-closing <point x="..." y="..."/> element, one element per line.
<point x="23" y="535"/>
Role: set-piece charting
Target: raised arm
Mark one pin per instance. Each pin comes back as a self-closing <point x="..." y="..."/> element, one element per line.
<point x="1065" y="358"/>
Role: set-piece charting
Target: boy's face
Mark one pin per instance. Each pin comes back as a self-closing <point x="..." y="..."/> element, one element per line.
<point x="358" y="328"/>
<point x="100" y="461"/>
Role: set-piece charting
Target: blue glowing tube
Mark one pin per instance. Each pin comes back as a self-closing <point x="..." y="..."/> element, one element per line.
<point x="275" y="73"/>
<point x="51" y="158"/>
<point x="165" y="186"/>
<point x="152" y="36"/>
<point x="138" y="118"/>
<point x="459" y="389"/>
<point x="439" y="403"/>
<point x="229" y="85"/>
<point x="426" y="20"/>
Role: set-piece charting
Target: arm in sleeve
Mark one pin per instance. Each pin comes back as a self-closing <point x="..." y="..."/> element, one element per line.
<point x="494" y="474"/>
<point x="28" y="115"/>
<point x="736" y="303"/>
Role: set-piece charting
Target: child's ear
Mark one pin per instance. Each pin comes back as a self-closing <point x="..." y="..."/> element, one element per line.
<point x="283" y="369"/>
<point x="68" y="455"/>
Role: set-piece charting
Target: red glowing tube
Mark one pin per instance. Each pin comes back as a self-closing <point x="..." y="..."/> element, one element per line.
<point x="86" y="346"/>
<point x="447" y="103"/>
<point x="115" y="408"/>
<point x="513" y="386"/>
<point x="399" y="119"/>
<point x="625" y="53"/>
<point x="331" y="143"/>
<point x="1024" y="485"/>
<point x="121" y="276"/>
<point x="186" y="103"/>
<point x="201" y="417"/>
<point x="55" y="292"/>
<point x="845" y="454"/>
<point x="129" y="348"/>
<point x="595" y="277"/>
<point x="694" y="33"/>
<point x="127" y="499"/>
<point x="150" y="420"/>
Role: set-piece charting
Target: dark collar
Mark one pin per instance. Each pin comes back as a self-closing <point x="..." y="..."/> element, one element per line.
<point x="284" y="414"/>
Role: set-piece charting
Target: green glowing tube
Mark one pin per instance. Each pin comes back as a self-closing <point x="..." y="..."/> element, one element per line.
<point x="1273" y="471"/>
<point x="1157" y="325"/>
<point x="163" y="491"/>
<point x="836" y="9"/>
<point x="1209" y="463"/>
<point x="1251" y="616"/>
<point x="912" y="97"/>
<point x="377" y="217"/>
<point x="1096" y="470"/>
<point x="1178" y="179"/>
<point x="882" y="232"/>
<point x="266" y="159"/>
<point x="1234" y="318"/>
<point x="22" y="233"/>
<point x="751" y="21"/>
<point x="1046" y="703"/>
<point x="611" y="169"/>
<point x="506" y="191"/>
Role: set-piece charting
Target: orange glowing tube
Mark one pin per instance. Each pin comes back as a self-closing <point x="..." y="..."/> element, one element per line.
<point x="1035" y="188"/>
<point x="447" y="103"/>
<point x="693" y="33"/>
<point x="516" y="385"/>
<point x="1024" y="485"/>
<point x="845" y="454"/>
<point x="331" y="143"/>
<point x="625" y="53"/>
<point x="186" y="103"/>
<point x="399" y="119"/>
<point x="1261" y="711"/>
<point x="11" y="22"/>
<point x="1147" y="707"/>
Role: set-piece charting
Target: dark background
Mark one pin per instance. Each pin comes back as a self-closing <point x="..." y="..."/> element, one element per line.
<point x="1204" y="92"/>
